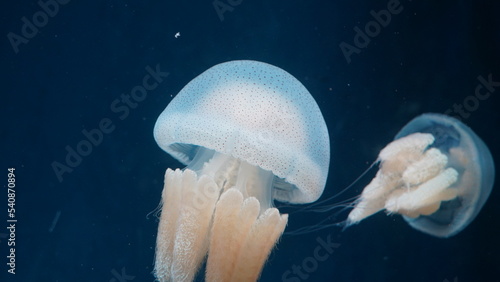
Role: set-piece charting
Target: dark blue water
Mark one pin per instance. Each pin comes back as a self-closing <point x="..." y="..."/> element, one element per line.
<point x="66" y="74"/>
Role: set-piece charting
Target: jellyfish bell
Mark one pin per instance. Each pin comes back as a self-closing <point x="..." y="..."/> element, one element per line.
<point x="249" y="133"/>
<point x="437" y="173"/>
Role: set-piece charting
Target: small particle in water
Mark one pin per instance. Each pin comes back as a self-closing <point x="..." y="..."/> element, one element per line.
<point x="177" y="34"/>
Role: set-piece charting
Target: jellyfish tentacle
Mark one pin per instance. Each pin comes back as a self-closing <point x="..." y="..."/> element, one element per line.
<point x="412" y="180"/>
<point x="430" y="165"/>
<point x="170" y="203"/>
<point x="182" y="242"/>
<point x="264" y="234"/>
<point x="396" y="158"/>
<point x="429" y="193"/>
<point x="233" y="219"/>
<point x="241" y="240"/>
<point x="416" y="143"/>
<point x="372" y="199"/>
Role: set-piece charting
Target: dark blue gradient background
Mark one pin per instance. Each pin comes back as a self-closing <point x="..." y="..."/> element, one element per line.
<point x="66" y="77"/>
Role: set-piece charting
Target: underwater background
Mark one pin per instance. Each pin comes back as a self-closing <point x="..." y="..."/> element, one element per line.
<point x="66" y="64"/>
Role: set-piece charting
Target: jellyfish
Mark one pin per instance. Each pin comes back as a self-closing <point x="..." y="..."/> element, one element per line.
<point x="437" y="174"/>
<point x="249" y="133"/>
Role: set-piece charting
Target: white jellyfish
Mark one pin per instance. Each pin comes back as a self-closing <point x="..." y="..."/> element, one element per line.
<point x="437" y="173"/>
<point x="249" y="133"/>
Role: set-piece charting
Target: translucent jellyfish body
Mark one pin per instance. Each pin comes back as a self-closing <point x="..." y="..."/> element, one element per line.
<point x="249" y="133"/>
<point x="437" y="173"/>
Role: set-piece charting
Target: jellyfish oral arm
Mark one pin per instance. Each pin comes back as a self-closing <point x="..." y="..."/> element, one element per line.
<point x="412" y="180"/>
<point x="215" y="210"/>
<point x="426" y="198"/>
<point x="187" y="207"/>
<point x="240" y="243"/>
